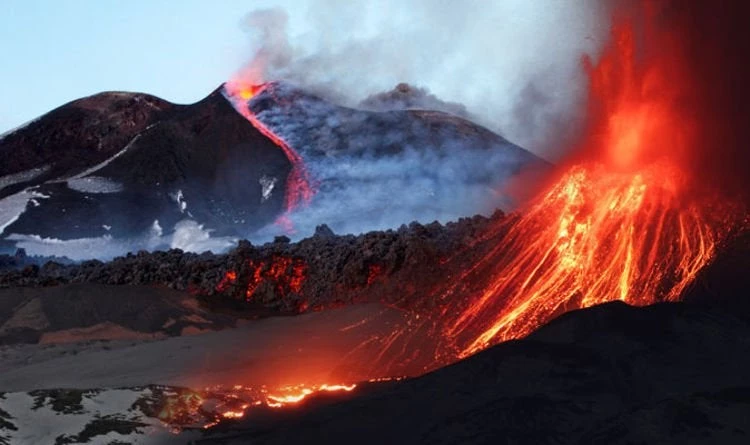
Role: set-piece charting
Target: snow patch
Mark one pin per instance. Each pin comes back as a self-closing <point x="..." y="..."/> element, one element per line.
<point x="76" y="249"/>
<point x="267" y="185"/>
<point x="94" y="184"/>
<point x="179" y="198"/>
<point x="36" y="419"/>
<point x="188" y="235"/>
<point x="24" y="176"/>
<point x="193" y="237"/>
<point x="156" y="230"/>
<point x="13" y="206"/>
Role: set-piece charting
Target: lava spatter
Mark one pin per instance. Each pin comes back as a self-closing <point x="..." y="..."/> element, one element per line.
<point x="619" y="223"/>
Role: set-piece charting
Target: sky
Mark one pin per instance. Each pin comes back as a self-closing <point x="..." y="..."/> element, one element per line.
<point x="515" y="64"/>
<point x="55" y="52"/>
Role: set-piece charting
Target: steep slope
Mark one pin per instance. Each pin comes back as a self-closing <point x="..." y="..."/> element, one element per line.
<point x="124" y="171"/>
<point x="202" y="162"/>
<point x="76" y="136"/>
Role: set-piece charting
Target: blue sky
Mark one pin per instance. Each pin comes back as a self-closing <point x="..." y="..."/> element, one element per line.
<point x="57" y="51"/>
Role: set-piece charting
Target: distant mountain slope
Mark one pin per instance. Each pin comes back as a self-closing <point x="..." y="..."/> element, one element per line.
<point x="144" y="173"/>
<point x="125" y="171"/>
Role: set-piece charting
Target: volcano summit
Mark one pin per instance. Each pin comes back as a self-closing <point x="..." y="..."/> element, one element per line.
<point x="116" y="172"/>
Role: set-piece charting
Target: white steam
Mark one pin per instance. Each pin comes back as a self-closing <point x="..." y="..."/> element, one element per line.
<point x="515" y="64"/>
<point x="375" y="171"/>
<point x="358" y="195"/>
<point x="187" y="235"/>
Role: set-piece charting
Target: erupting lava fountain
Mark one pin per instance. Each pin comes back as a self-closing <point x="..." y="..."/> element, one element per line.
<point x="620" y="222"/>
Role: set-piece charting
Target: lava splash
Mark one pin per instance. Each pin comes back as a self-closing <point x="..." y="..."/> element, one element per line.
<point x="299" y="184"/>
<point x="594" y="237"/>
<point x="618" y="224"/>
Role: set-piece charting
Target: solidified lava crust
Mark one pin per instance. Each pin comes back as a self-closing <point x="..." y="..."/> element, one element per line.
<point x="322" y="271"/>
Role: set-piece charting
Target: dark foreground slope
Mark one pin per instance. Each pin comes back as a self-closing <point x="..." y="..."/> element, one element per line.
<point x="670" y="373"/>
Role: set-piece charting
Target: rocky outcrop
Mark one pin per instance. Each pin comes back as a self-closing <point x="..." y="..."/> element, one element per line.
<point x="325" y="270"/>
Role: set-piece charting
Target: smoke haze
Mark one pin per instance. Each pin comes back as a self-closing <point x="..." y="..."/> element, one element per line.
<point x="375" y="171"/>
<point x="514" y="64"/>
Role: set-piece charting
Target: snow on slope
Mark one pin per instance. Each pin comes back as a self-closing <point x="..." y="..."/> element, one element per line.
<point x="26" y="175"/>
<point x="84" y="417"/>
<point x="13" y="206"/>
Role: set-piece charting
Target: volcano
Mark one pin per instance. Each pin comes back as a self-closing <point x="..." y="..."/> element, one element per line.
<point x="134" y="168"/>
<point x="608" y="308"/>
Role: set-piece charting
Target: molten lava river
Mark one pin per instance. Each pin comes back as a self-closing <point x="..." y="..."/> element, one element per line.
<point x="299" y="186"/>
<point x="620" y="222"/>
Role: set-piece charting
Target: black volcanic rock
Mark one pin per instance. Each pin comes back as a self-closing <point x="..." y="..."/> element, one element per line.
<point x="324" y="231"/>
<point x="203" y="161"/>
<point x="724" y="281"/>
<point x="79" y="134"/>
<point x="395" y="266"/>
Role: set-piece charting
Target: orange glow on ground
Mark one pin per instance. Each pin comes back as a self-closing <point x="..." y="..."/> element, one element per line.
<point x="190" y="408"/>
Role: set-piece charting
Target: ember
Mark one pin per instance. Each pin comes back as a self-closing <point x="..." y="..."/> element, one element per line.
<point x="284" y="275"/>
<point x="374" y="273"/>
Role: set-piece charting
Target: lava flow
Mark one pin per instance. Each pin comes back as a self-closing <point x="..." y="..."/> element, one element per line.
<point x="186" y="408"/>
<point x="617" y="225"/>
<point x="299" y="188"/>
<point x="280" y="276"/>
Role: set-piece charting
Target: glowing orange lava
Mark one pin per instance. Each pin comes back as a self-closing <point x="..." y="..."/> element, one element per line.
<point x="284" y="275"/>
<point x="295" y="394"/>
<point x="618" y="226"/>
<point x="215" y="405"/>
<point x="613" y="236"/>
<point x="299" y="188"/>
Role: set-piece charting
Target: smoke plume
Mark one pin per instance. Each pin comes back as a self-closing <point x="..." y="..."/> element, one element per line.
<point x="514" y="64"/>
<point x="376" y="171"/>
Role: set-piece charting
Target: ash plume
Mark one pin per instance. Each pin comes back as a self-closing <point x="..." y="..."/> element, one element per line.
<point x="407" y="97"/>
<point x="484" y="55"/>
<point x="376" y="171"/>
